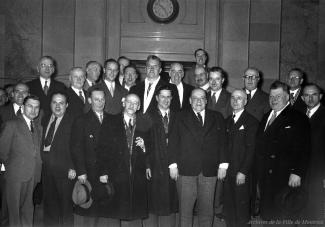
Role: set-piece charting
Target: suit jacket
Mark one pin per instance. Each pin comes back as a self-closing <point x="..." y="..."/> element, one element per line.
<point x="258" y="105"/>
<point x="241" y="143"/>
<point x="187" y="91"/>
<point x="20" y="150"/>
<point x="282" y="149"/>
<point x="139" y="91"/>
<point x="84" y="140"/>
<point x="7" y="113"/>
<point x="163" y="194"/>
<point x="113" y="105"/>
<point x="222" y="105"/>
<point x="35" y="88"/>
<point x="197" y="149"/>
<point x="58" y="160"/>
<point x="125" y="169"/>
<point x="299" y="104"/>
<point x="190" y="76"/>
<point x="76" y="106"/>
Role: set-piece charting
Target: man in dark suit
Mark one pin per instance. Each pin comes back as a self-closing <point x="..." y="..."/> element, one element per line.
<point x="10" y="112"/>
<point x="123" y="63"/>
<point x="93" y="70"/>
<point x="282" y="145"/>
<point x="176" y="74"/>
<point x="122" y="158"/>
<point x="130" y="77"/>
<point x="76" y="95"/>
<point x="241" y="130"/>
<point x="316" y="169"/>
<point x="84" y="140"/>
<point x="44" y="86"/>
<point x="257" y="105"/>
<point x="201" y="59"/>
<point x="196" y="156"/>
<point x="163" y="202"/>
<point x="147" y="88"/>
<point x="218" y="97"/>
<point x="20" y="150"/>
<point x="295" y="80"/>
<point x="257" y="100"/>
<point x="58" y="169"/>
<point x="114" y="92"/>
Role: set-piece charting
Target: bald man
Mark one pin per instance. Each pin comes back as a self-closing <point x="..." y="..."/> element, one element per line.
<point x="122" y="158"/>
<point x="241" y="129"/>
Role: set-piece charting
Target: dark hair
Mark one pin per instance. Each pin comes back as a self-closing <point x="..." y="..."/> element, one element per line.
<point x="123" y="57"/>
<point x="255" y="69"/>
<point x="49" y="58"/>
<point x="34" y="97"/>
<point x="155" y="58"/>
<point x="300" y="72"/>
<point x="111" y="60"/>
<point x="314" y="85"/>
<point x="278" y="84"/>
<point x="90" y="91"/>
<point x="61" y="93"/>
<point x="200" y="49"/>
<point x="164" y="87"/>
<point x="217" y="69"/>
<point x="131" y="66"/>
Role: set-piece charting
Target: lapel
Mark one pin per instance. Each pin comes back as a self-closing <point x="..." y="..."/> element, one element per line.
<point x="208" y="122"/>
<point x="106" y="90"/>
<point x="222" y="99"/>
<point x="240" y="121"/>
<point x="278" y="121"/>
<point x="317" y="115"/>
<point x="193" y="124"/>
<point x="34" y="138"/>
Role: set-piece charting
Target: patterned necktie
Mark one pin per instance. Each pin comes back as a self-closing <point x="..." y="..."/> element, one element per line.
<point x="81" y="97"/>
<point x="213" y="97"/>
<point x="249" y="96"/>
<point x="18" y="113"/>
<point x="292" y="98"/>
<point x="200" y="118"/>
<point x="308" y="113"/>
<point x="50" y="133"/>
<point x="149" y="88"/>
<point x="45" y="88"/>
<point x="165" y="122"/>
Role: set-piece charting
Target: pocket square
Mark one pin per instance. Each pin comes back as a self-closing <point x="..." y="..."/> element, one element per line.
<point x="91" y="136"/>
<point x="241" y="127"/>
<point x="288" y="126"/>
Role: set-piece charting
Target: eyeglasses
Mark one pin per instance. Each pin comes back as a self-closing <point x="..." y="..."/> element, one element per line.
<point x="251" y="77"/>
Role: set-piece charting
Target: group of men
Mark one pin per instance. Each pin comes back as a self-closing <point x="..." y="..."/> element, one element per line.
<point x="164" y="147"/>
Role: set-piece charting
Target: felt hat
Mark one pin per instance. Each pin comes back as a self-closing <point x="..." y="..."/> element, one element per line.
<point x="81" y="194"/>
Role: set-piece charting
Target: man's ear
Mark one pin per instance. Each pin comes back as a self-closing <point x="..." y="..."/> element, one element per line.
<point x="89" y="100"/>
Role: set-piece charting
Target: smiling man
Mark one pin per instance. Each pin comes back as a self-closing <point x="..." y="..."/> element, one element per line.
<point x="282" y="145"/>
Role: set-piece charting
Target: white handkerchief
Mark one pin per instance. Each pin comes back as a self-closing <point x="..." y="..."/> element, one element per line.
<point x="3" y="168"/>
<point x="91" y="136"/>
<point x="288" y="126"/>
<point x="241" y="127"/>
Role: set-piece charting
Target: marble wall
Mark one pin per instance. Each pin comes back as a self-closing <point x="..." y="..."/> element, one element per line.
<point x="273" y="35"/>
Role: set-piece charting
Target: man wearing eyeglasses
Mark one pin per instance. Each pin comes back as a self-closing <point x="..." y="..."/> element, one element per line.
<point x="295" y="81"/>
<point x="44" y="86"/>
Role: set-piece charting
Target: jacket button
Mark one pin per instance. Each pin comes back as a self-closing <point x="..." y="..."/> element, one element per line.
<point x="270" y="171"/>
<point x="272" y="156"/>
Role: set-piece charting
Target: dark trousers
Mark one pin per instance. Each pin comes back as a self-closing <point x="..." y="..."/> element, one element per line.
<point x="57" y="199"/>
<point x="200" y="189"/>
<point x="4" y="216"/>
<point x="218" y="199"/>
<point x="237" y="202"/>
<point x="20" y="201"/>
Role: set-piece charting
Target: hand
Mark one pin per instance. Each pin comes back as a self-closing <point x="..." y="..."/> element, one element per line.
<point x="222" y="173"/>
<point x="323" y="183"/>
<point x="103" y="179"/>
<point x="294" y="180"/>
<point x="148" y="173"/>
<point x="139" y="142"/>
<point x="240" y="178"/>
<point x="173" y="172"/>
<point x="71" y="174"/>
<point x="82" y="178"/>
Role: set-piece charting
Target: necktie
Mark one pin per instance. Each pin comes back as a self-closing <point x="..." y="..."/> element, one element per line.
<point x="130" y="124"/>
<point x="149" y="87"/>
<point x="31" y="126"/>
<point x="45" y="88"/>
<point x="81" y="97"/>
<point x="50" y="133"/>
<point x="18" y="113"/>
<point x="232" y="120"/>
<point x="271" y="119"/>
<point x="165" y="122"/>
<point x="200" y="118"/>
<point x="100" y="117"/>
<point x="308" y="113"/>
<point x="111" y="89"/>
<point x="292" y="98"/>
<point x="249" y="96"/>
<point x="213" y="97"/>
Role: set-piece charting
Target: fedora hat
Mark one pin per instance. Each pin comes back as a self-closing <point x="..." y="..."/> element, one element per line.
<point x="103" y="193"/>
<point x="81" y="194"/>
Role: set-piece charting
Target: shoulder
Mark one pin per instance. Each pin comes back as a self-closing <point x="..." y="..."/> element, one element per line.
<point x="33" y="82"/>
<point x="250" y="118"/>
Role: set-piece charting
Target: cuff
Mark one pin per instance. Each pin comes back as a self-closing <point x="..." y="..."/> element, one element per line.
<point x="171" y="166"/>
<point x="223" y="165"/>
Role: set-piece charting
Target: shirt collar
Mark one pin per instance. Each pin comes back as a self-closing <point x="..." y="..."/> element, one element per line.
<point x="294" y="91"/>
<point x="205" y="86"/>
<point x="43" y="81"/>
<point x="163" y="112"/>
<point x="237" y="115"/>
<point x="252" y="92"/>
<point x="16" y="108"/>
<point x="77" y="90"/>
<point x="314" y="109"/>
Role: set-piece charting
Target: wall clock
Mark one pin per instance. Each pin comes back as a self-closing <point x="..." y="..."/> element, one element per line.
<point x="163" y="11"/>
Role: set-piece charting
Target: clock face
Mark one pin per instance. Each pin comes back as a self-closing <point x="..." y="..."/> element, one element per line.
<point x="163" y="11"/>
